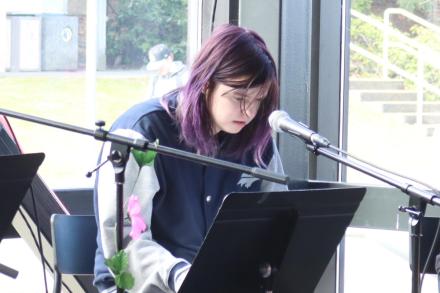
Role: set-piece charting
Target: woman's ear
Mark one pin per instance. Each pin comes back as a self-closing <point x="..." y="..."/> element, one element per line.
<point x="205" y="89"/>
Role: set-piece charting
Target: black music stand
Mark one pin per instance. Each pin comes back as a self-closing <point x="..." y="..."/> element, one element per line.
<point x="295" y="232"/>
<point x="429" y="227"/>
<point x="16" y="174"/>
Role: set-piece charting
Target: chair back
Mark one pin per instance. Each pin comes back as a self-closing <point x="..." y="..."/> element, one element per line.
<point x="74" y="243"/>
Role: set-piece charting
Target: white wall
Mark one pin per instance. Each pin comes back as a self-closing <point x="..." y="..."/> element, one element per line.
<point x="35" y="6"/>
<point x="23" y="7"/>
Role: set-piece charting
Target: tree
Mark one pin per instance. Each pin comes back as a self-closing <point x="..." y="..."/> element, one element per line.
<point x="134" y="26"/>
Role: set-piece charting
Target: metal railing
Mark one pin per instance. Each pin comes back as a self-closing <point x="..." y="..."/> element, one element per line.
<point x="424" y="54"/>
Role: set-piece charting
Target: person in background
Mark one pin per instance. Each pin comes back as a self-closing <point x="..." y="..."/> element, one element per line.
<point x="221" y="112"/>
<point x="167" y="74"/>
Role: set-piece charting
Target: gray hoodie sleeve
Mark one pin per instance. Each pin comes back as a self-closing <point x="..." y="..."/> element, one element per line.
<point x="276" y="166"/>
<point x="149" y="263"/>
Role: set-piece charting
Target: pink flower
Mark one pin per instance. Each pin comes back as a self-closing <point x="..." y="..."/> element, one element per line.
<point x="137" y="223"/>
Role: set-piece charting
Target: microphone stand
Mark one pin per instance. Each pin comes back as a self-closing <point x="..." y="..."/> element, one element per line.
<point x="120" y="151"/>
<point x="419" y="198"/>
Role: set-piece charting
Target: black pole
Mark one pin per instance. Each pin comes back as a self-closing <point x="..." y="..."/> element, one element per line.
<point x="415" y="236"/>
<point x="416" y="210"/>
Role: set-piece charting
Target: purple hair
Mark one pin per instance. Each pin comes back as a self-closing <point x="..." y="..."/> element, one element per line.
<point x="230" y="54"/>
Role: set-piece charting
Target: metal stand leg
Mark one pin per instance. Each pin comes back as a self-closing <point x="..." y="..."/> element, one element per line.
<point x="8" y="271"/>
<point x="415" y="236"/>
<point x="416" y="212"/>
<point x="118" y="157"/>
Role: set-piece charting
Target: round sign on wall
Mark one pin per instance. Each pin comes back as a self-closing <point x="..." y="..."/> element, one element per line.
<point x="66" y="34"/>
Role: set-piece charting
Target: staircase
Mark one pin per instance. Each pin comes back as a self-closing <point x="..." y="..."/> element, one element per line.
<point x="395" y="99"/>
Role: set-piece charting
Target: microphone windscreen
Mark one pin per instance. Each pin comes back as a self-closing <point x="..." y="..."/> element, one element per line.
<point x="275" y="119"/>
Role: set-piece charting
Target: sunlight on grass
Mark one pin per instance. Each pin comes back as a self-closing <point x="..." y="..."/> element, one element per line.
<point x="62" y="98"/>
<point x="114" y="96"/>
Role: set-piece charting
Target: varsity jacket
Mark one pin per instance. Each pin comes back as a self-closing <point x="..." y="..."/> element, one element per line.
<point x="179" y="201"/>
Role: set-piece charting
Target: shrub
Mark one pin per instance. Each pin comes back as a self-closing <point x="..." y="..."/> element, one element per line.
<point x="371" y="39"/>
<point x="134" y="26"/>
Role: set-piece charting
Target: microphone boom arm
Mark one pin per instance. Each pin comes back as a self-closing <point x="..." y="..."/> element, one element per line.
<point x="429" y="196"/>
<point x="143" y="145"/>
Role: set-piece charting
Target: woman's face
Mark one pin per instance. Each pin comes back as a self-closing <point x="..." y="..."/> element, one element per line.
<point x="231" y="108"/>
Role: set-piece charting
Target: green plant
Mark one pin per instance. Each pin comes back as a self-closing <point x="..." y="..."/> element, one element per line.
<point x="118" y="264"/>
<point x="370" y="39"/>
<point x="134" y="26"/>
<point x="422" y="7"/>
<point x="426" y="37"/>
<point x="430" y="41"/>
<point x="363" y="6"/>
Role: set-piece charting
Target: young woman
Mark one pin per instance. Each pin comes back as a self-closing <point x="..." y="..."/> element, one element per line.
<point x="221" y="112"/>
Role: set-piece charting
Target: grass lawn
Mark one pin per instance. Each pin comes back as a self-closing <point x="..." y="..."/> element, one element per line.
<point x="62" y="98"/>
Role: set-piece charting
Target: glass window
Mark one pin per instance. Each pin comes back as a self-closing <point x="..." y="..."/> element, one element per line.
<point x="394" y="122"/>
<point x="44" y="49"/>
<point x="45" y="74"/>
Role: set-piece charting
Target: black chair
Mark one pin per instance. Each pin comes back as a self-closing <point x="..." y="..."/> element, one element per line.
<point x="74" y="245"/>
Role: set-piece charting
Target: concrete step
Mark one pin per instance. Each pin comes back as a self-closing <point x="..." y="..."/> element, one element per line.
<point x="388" y="95"/>
<point x="430" y="115"/>
<point x="399" y="108"/>
<point x="431" y="119"/>
<point x="427" y="119"/>
<point x="431" y="107"/>
<point x="410" y="107"/>
<point x="376" y="84"/>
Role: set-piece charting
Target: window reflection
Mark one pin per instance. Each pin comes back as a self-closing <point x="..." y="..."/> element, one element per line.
<point x="393" y="122"/>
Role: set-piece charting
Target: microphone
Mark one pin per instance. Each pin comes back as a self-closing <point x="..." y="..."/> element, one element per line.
<point x="280" y="121"/>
